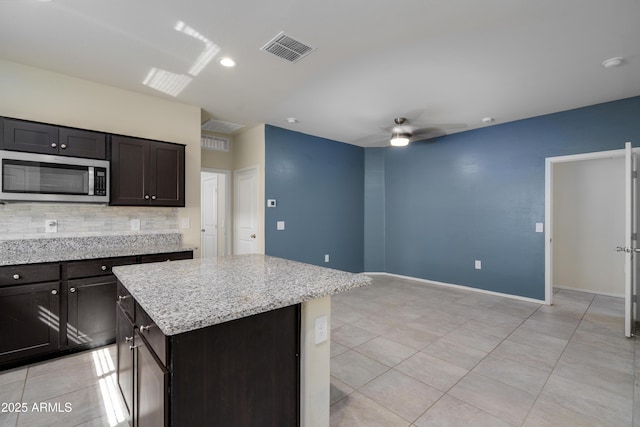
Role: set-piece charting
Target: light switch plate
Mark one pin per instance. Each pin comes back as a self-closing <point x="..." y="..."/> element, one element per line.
<point x="280" y="225"/>
<point x="478" y="264"/>
<point x="326" y="258"/>
<point x="539" y="227"/>
<point x="135" y="225"/>
<point x="186" y="223"/>
<point x="321" y="329"/>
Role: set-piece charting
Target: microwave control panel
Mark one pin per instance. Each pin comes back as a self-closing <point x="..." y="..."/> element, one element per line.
<point x="100" y="182"/>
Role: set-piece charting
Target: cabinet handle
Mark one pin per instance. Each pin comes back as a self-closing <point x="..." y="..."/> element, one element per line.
<point x="128" y="339"/>
<point x="146" y="197"/>
<point x="123" y="297"/>
<point x="153" y="197"/>
<point x="72" y="290"/>
<point x="63" y="146"/>
<point x="144" y="328"/>
<point x="54" y="145"/>
<point x="103" y="268"/>
<point x="54" y="292"/>
<point x="131" y="347"/>
<point x="16" y="276"/>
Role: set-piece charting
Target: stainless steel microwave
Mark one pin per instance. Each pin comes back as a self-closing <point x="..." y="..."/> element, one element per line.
<point x="47" y="178"/>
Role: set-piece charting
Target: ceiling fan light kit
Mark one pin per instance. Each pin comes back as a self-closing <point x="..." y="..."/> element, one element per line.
<point x="400" y="139"/>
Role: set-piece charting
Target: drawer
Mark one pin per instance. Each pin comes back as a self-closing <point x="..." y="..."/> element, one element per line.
<point x="125" y="300"/>
<point x="96" y="267"/>
<point x="171" y="256"/>
<point x="29" y="273"/>
<point x="154" y="336"/>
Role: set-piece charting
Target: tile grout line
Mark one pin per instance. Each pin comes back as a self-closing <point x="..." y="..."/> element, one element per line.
<point x="558" y="360"/>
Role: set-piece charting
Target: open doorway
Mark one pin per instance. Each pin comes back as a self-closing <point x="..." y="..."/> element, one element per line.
<point x="215" y="233"/>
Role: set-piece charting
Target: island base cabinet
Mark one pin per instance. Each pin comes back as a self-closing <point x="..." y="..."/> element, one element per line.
<point x="124" y="359"/>
<point x="151" y="387"/>
<point x="240" y="373"/>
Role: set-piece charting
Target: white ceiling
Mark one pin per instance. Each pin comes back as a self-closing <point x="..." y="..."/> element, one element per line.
<point x="443" y="63"/>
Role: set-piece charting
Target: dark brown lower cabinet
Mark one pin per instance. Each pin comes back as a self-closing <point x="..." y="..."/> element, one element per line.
<point x="29" y="320"/>
<point x="124" y="362"/>
<point x="151" y="387"/>
<point x="245" y="372"/>
<point x="91" y="314"/>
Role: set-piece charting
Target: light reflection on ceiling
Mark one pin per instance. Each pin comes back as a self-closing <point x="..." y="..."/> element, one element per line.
<point x="174" y="83"/>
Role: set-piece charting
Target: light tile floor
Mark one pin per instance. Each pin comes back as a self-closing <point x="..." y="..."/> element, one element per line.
<point x="406" y="353"/>
<point x="74" y="390"/>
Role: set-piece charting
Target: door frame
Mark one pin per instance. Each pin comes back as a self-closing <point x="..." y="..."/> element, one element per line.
<point x="548" y="202"/>
<point x="227" y="205"/>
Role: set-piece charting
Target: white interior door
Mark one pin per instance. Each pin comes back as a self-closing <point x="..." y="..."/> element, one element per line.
<point x="209" y="231"/>
<point x="245" y="213"/>
<point x="630" y="244"/>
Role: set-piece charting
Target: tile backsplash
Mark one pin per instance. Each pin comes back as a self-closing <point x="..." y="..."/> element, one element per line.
<point x="27" y="220"/>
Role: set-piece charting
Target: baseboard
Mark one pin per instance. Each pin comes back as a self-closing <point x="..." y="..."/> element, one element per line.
<point x="466" y="288"/>
<point x="605" y="294"/>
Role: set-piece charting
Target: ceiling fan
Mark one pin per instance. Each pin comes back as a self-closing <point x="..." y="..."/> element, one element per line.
<point x="403" y="133"/>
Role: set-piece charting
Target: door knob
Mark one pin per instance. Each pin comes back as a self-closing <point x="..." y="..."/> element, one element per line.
<point x="253" y="236"/>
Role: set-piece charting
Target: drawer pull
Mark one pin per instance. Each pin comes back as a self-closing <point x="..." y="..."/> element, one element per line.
<point x="131" y="347"/>
<point x="54" y="292"/>
<point x="103" y="268"/>
<point x="72" y="290"/>
<point x="128" y="339"/>
<point x="144" y="328"/>
<point x="123" y="297"/>
<point x="54" y="145"/>
<point x="63" y="146"/>
<point x="16" y="276"/>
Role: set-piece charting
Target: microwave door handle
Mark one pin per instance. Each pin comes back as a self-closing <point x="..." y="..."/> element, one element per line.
<point x="91" y="180"/>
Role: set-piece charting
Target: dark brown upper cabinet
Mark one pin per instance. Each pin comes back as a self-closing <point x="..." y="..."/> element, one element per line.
<point x="32" y="137"/>
<point x="146" y="173"/>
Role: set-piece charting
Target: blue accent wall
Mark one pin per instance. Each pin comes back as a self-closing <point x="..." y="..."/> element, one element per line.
<point x="319" y="188"/>
<point x="477" y="195"/>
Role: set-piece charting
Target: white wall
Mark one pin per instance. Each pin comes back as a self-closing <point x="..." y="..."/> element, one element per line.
<point x="35" y="94"/>
<point x="588" y="224"/>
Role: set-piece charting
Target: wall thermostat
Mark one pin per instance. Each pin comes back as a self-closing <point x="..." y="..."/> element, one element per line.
<point x="271" y="203"/>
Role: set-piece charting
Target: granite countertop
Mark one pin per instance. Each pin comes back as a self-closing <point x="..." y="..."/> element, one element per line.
<point x="34" y="251"/>
<point x="182" y="296"/>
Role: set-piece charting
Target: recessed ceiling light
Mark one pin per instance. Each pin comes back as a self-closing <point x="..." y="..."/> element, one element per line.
<point x="227" y="62"/>
<point x="292" y="120"/>
<point x="613" y="62"/>
<point x="488" y="120"/>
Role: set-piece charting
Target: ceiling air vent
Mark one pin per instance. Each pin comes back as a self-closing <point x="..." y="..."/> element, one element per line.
<point x="218" y="126"/>
<point x="287" y="48"/>
<point x="214" y="143"/>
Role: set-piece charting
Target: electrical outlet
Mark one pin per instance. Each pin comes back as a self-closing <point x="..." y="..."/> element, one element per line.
<point x="186" y="223"/>
<point x="280" y="225"/>
<point x="321" y="329"/>
<point x="135" y="225"/>
<point x="50" y="225"/>
<point x="478" y="265"/>
<point x="326" y="258"/>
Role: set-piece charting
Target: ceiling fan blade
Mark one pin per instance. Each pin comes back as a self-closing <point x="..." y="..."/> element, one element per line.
<point x="427" y="133"/>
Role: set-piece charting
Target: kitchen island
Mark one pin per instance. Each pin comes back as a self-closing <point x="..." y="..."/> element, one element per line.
<point x="227" y="340"/>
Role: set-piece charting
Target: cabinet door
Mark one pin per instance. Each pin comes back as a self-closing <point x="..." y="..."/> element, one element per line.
<point x="128" y="170"/>
<point x="29" y="136"/>
<point x="165" y="180"/>
<point x="29" y="320"/>
<point x="124" y="370"/>
<point x="91" y="312"/>
<point x="152" y="388"/>
<point x="82" y="143"/>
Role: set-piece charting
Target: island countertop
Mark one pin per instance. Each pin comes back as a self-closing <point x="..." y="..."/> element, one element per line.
<point x="181" y="296"/>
